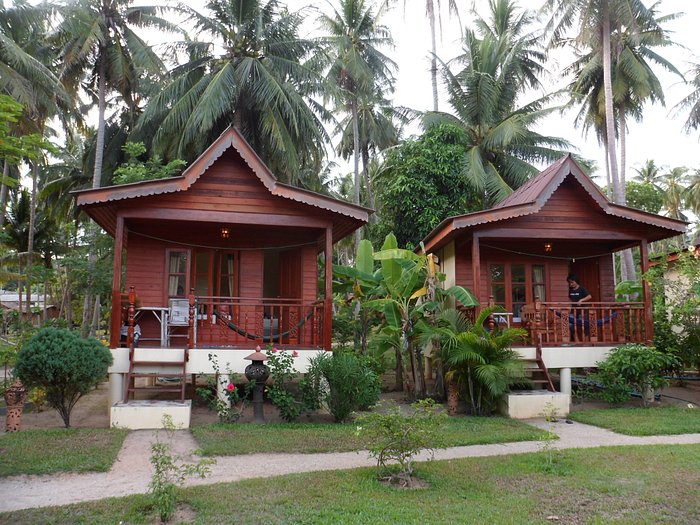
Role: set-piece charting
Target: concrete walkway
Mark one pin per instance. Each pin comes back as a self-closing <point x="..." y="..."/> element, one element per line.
<point x="132" y="471"/>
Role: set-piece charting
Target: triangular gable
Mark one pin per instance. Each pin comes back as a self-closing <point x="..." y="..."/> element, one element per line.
<point x="530" y="198"/>
<point x="231" y="137"/>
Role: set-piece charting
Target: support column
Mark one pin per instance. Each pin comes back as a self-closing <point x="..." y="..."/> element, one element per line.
<point x="116" y="388"/>
<point x="476" y="268"/>
<point x="565" y="381"/>
<point x="648" y="316"/>
<point x="328" y="291"/>
<point x="116" y="315"/>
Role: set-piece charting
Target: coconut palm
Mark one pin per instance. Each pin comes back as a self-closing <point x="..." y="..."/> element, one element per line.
<point x="675" y="181"/>
<point x="634" y="81"/>
<point x="380" y="127"/>
<point x="484" y="95"/>
<point x="250" y="68"/>
<point x="692" y="192"/>
<point x="596" y="20"/>
<point x="357" y="69"/>
<point x="100" y="49"/>
<point x="691" y="103"/>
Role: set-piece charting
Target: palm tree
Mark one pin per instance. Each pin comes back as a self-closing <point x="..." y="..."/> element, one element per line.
<point x="380" y="128"/>
<point x="674" y="190"/>
<point x="692" y="101"/>
<point x="480" y="361"/>
<point x="501" y="144"/>
<point x="253" y="71"/>
<point x="99" y="48"/>
<point x="634" y="83"/>
<point x="650" y="174"/>
<point x="357" y="70"/>
<point x="596" y="20"/>
<point x="692" y="192"/>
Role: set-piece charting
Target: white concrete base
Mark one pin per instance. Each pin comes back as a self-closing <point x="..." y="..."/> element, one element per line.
<point x="526" y="404"/>
<point x="141" y="414"/>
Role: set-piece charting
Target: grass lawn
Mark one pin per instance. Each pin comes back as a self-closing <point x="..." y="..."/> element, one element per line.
<point x="643" y="421"/>
<point x="234" y="439"/>
<point x="45" y="451"/>
<point x="632" y="485"/>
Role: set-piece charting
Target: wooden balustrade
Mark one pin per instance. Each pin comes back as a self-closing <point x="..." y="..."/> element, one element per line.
<point x="557" y="324"/>
<point x="238" y="321"/>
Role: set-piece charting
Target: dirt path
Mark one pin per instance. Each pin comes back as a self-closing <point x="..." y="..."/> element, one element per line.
<point x="131" y="472"/>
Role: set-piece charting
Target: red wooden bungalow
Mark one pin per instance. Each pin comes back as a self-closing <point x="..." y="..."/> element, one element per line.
<point x="223" y="257"/>
<point x="519" y="253"/>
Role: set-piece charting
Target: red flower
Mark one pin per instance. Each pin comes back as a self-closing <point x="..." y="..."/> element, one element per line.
<point x="230" y="387"/>
<point x="295" y="354"/>
<point x="274" y="349"/>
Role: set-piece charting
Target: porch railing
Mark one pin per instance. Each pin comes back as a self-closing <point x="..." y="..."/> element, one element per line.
<point x="239" y="321"/>
<point x="586" y="324"/>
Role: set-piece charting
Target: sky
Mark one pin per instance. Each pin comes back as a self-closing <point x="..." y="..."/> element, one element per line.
<point x="660" y="136"/>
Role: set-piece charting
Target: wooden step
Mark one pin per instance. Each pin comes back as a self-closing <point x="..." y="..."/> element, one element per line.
<point x="158" y="374"/>
<point x="154" y="389"/>
<point x="159" y="363"/>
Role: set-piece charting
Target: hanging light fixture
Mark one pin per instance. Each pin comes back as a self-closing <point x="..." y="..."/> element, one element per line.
<point x="224" y="232"/>
<point x="548" y="247"/>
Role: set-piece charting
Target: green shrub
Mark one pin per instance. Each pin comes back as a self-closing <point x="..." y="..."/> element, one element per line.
<point x="290" y="403"/>
<point x="396" y="438"/>
<point x="633" y="367"/>
<point x="352" y="383"/>
<point x="65" y="365"/>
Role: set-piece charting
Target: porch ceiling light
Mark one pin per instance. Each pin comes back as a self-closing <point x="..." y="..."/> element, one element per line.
<point x="547" y="247"/>
<point x="224" y="232"/>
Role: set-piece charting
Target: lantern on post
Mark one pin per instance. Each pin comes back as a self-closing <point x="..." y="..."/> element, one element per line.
<point x="257" y="372"/>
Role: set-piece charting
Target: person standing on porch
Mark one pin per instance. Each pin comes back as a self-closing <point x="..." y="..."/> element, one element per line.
<point x="577" y="293"/>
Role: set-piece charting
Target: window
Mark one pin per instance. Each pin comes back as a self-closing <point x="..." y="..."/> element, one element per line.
<point x="513" y="285"/>
<point x="177" y="261"/>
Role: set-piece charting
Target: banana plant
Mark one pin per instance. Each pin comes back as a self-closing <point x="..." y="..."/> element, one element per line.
<point x="406" y="292"/>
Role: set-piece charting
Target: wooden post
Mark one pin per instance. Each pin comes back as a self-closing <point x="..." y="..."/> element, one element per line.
<point x="537" y="325"/>
<point x="116" y="314"/>
<point x="648" y="315"/>
<point x="490" y="320"/>
<point x="328" y="291"/>
<point x="191" y="320"/>
<point x="130" y="318"/>
<point x="476" y="269"/>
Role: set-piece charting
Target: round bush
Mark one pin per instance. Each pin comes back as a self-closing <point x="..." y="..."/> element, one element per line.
<point x="64" y="364"/>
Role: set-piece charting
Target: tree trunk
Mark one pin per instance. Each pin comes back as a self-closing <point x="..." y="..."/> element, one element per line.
<point x="629" y="272"/>
<point x="399" y="370"/>
<point x="356" y="161"/>
<point x="95" y="317"/>
<point x="3" y="191"/>
<point x="430" y="8"/>
<point x="30" y="238"/>
<point x="370" y="194"/>
<point x="609" y="112"/>
<point x="100" y="138"/>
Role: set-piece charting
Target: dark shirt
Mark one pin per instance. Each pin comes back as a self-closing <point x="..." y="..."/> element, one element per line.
<point x="578" y="294"/>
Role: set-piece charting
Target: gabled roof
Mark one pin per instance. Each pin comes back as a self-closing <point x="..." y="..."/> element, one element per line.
<point x="230" y="138"/>
<point x="534" y="194"/>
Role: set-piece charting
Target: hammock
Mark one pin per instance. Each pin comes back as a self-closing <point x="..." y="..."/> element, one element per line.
<point x="265" y="338"/>
<point x="585" y="323"/>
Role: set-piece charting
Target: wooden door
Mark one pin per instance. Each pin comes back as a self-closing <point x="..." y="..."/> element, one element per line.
<point x="588" y="272"/>
<point x="290" y="288"/>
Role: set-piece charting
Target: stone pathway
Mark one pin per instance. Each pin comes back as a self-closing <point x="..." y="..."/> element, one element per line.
<point x="132" y="471"/>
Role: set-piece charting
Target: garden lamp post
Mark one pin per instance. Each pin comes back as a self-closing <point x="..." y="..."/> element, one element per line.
<point x="258" y="372"/>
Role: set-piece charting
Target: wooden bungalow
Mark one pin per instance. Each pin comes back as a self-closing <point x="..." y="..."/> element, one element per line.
<point x="519" y="253"/>
<point x="220" y="260"/>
